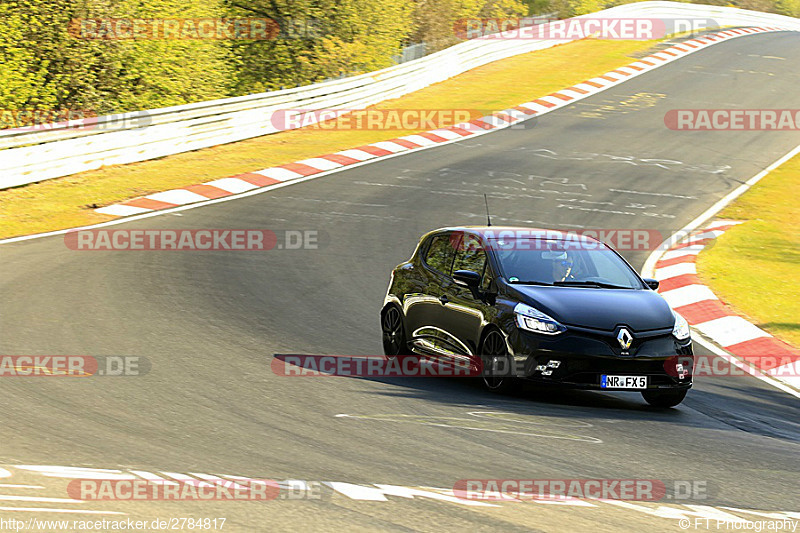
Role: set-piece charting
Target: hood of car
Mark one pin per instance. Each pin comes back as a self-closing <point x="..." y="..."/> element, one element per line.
<point x="603" y="309"/>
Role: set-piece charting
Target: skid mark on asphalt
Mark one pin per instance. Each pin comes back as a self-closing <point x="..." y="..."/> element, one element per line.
<point x="325" y="201"/>
<point x="529" y="419"/>
<point x="653" y="193"/>
<point x="637" y="102"/>
<point x="493" y="422"/>
<point x="665" y="164"/>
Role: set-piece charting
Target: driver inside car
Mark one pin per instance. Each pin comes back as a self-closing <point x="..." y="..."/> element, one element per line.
<point x="563" y="265"/>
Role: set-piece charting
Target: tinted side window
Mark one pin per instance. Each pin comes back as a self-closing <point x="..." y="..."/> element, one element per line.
<point x="488" y="277"/>
<point x="470" y="255"/>
<point x="440" y="254"/>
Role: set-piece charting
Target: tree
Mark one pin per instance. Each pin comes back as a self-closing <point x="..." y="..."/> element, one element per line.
<point x="789" y="7"/>
<point x="437" y="23"/>
<point x="319" y="39"/>
<point x="48" y="64"/>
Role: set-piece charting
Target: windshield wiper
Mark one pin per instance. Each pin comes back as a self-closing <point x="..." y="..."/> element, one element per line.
<point x="574" y="283"/>
<point x="531" y="283"/>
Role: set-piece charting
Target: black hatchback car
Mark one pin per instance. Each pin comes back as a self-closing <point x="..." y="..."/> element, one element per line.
<point x="539" y="305"/>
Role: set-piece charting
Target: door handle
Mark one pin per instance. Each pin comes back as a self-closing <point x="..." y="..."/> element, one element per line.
<point x="444" y="299"/>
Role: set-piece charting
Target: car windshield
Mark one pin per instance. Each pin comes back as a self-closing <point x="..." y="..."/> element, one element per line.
<point x="564" y="263"/>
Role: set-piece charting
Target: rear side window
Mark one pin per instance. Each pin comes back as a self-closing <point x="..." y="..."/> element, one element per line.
<point x="440" y="254"/>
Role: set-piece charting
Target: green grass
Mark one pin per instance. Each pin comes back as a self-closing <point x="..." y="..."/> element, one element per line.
<point x="755" y="266"/>
<point x="65" y="202"/>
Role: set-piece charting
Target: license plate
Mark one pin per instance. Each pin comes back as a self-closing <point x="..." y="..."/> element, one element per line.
<point x="623" y="382"/>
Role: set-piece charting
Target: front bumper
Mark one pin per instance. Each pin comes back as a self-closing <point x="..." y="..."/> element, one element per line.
<point x="579" y="357"/>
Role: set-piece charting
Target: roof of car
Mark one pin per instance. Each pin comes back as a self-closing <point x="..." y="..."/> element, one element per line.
<point x="494" y="232"/>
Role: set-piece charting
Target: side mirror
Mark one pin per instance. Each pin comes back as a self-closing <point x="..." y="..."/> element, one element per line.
<point x="469" y="280"/>
<point x="652" y="283"/>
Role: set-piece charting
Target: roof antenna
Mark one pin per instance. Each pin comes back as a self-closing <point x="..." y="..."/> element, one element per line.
<point x="488" y="219"/>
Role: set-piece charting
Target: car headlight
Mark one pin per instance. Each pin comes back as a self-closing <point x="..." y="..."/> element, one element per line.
<point x="531" y="319"/>
<point x="681" y="329"/>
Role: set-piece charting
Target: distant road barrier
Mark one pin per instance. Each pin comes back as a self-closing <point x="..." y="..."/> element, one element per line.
<point x="31" y="155"/>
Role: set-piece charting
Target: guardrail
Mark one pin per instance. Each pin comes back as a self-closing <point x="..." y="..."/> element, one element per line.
<point x="64" y="149"/>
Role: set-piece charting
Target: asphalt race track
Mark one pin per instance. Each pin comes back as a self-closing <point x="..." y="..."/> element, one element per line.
<point x="209" y="323"/>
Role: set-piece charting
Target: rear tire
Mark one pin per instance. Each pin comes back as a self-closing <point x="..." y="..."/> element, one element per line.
<point x="670" y="398"/>
<point x="493" y="349"/>
<point x="394" y="334"/>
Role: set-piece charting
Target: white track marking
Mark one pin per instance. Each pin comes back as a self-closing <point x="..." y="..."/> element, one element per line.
<point x="446" y="134"/>
<point x="280" y="174"/>
<point x="419" y="139"/>
<point x="680" y="252"/>
<point x="495" y="122"/>
<point x="675" y="270"/>
<point x="538" y="108"/>
<point x="789" y="373"/>
<point x="149" y="476"/>
<point x="218" y="480"/>
<point x="365" y="493"/>
<point x="49" y="510"/>
<point x="39" y="499"/>
<point x="710" y="234"/>
<point x="359" y="155"/>
<point x="734" y="329"/>
<point x="232" y="185"/>
<point x="722" y="223"/>
<point x="76" y="472"/>
<point x="177" y="196"/>
<point x="185" y="478"/>
<point x="690" y="294"/>
<point x="320" y="163"/>
<point x="119" y="210"/>
<point x="554" y="100"/>
<point x="390" y="146"/>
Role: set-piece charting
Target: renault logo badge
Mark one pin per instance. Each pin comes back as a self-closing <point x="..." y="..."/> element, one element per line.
<point x="624" y="338"/>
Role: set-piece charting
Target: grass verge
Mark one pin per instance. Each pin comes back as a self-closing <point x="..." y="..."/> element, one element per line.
<point x="754" y="266"/>
<point x="65" y="202"/>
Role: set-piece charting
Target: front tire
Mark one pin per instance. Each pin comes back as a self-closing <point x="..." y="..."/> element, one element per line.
<point x="493" y="350"/>
<point x="665" y="399"/>
<point x="394" y="334"/>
